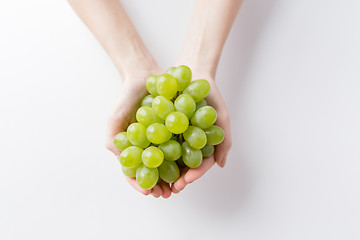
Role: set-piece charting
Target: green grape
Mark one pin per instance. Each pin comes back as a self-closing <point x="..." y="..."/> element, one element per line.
<point x="157" y="133"/>
<point x="171" y="70"/>
<point x="204" y="117"/>
<point x="121" y="141"/>
<point x="136" y="133"/>
<point x="131" y="157"/>
<point x="162" y="106"/>
<point x="147" y="101"/>
<point x="185" y="103"/>
<point x="152" y="157"/>
<point x="198" y="89"/>
<point x="169" y="172"/>
<point x="130" y="172"/>
<point x="195" y="136"/>
<point x="180" y="163"/>
<point x="151" y="84"/>
<point x="147" y="177"/>
<point x="146" y="116"/>
<point x="171" y="150"/>
<point x="176" y="122"/>
<point x="183" y="76"/>
<point x="200" y="104"/>
<point x="207" y="151"/>
<point x="215" y="135"/>
<point x="166" y="86"/>
<point x="191" y="157"/>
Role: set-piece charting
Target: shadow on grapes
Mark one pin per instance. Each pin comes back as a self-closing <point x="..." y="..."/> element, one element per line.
<point x="227" y="191"/>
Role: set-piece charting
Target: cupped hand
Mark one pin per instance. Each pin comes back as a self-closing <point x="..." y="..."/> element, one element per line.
<point x="215" y="100"/>
<point x="122" y="115"/>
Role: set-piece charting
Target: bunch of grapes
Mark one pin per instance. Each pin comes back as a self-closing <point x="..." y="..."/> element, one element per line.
<point x="174" y="129"/>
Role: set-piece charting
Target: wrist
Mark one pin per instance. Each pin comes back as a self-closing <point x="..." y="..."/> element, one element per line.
<point x="200" y="70"/>
<point x="199" y="63"/>
<point x="138" y="69"/>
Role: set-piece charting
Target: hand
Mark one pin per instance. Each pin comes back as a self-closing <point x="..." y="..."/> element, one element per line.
<point x="123" y="114"/>
<point x="215" y="100"/>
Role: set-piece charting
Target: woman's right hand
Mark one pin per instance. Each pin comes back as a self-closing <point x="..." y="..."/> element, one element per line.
<point x="123" y="114"/>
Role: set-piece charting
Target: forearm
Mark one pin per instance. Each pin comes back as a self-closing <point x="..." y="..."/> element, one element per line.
<point x="114" y="30"/>
<point x="209" y="27"/>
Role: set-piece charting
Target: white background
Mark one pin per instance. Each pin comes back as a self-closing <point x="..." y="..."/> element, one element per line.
<point x="289" y="73"/>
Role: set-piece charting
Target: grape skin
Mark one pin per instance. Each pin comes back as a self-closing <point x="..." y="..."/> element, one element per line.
<point x="176" y="122"/>
<point x="198" y="89"/>
<point x="152" y="157"/>
<point x="169" y="171"/>
<point x="162" y="106"/>
<point x="214" y="135"/>
<point x="131" y="157"/>
<point x="191" y="157"/>
<point x="166" y="86"/>
<point x="207" y="151"/>
<point x="204" y="117"/>
<point x="195" y="136"/>
<point x="136" y="133"/>
<point x="147" y="101"/>
<point x="129" y="172"/>
<point x="157" y="133"/>
<point x="121" y="141"/>
<point x="185" y="103"/>
<point x="171" y="150"/>
<point x="151" y="84"/>
<point x="147" y="177"/>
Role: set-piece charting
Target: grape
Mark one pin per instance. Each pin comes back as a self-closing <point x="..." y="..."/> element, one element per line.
<point x="215" y="135"/>
<point x="162" y="106"/>
<point x="195" y="136"/>
<point x="136" y="133"/>
<point x="198" y="89"/>
<point x="121" y="141"/>
<point x="171" y="150"/>
<point x="157" y="133"/>
<point x="151" y="84"/>
<point x="204" y="117"/>
<point x="166" y="86"/>
<point x="169" y="171"/>
<point x="131" y="157"/>
<point x="200" y="104"/>
<point x="180" y="162"/>
<point x="191" y="157"/>
<point x="183" y="76"/>
<point x="152" y="157"/>
<point x="171" y="70"/>
<point x="147" y="101"/>
<point x="185" y="103"/>
<point x="176" y="122"/>
<point x="207" y="151"/>
<point x="147" y="177"/>
<point x="130" y="172"/>
<point x="147" y="116"/>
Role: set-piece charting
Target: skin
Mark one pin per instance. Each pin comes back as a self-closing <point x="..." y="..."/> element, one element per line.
<point x="210" y="25"/>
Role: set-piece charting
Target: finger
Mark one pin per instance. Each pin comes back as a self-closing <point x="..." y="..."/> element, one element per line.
<point x="166" y="191"/>
<point x="180" y="184"/>
<point x="173" y="189"/>
<point x="195" y="173"/>
<point x="223" y="148"/>
<point x="135" y="185"/>
<point x="156" y="191"/>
